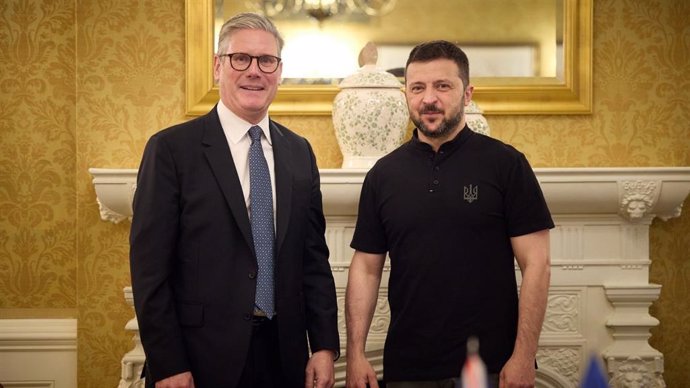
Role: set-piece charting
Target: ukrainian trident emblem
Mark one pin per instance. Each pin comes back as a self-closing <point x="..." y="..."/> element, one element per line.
<point x="471" y="193"/>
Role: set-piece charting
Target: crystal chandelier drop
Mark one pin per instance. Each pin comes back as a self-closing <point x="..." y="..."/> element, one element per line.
<point x="321" y="9"/>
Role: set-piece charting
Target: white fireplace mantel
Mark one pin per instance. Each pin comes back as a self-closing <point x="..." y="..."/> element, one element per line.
<point x="600" y="292"/>
<point x="660" y="191"/>
<point x="567" y="190"/>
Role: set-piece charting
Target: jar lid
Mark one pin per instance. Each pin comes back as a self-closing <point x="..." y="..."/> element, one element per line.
<point x="370" y="76"/>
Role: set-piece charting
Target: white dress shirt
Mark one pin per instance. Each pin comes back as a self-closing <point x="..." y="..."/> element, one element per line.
<point x="237" y="133"/>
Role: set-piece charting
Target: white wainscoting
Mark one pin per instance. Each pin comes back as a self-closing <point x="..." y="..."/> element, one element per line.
<point x="38" y="353"/>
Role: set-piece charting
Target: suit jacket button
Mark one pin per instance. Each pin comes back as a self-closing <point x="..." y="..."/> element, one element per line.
<point x="252" y="275"/>
<point x="247" y="317"/>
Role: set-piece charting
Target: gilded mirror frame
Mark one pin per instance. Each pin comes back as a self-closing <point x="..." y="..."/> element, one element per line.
<point x="542" y="95"/>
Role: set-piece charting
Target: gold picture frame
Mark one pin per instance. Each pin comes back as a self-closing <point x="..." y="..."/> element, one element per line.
<point x="504" y="95"/>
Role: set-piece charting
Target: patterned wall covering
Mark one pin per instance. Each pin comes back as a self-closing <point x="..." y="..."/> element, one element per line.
<point x="85" y="83"/>
<point x="38" y="266"/>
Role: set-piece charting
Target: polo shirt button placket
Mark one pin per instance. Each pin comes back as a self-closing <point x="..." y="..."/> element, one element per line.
<point x="434" y="178"/>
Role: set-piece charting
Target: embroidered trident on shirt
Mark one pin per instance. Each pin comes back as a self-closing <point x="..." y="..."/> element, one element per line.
<point x="471" y="193"/>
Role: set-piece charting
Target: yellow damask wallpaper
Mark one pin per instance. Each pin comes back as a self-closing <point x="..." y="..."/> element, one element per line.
<point x="38" y="264"/>
<point x="85" y="83"/>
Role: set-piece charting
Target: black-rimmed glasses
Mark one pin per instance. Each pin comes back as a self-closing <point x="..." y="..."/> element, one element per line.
<point x="241" y="62"/>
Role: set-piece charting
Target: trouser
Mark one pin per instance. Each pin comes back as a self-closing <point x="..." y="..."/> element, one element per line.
<point x="262" y="368"/>
<point x="443" y="383"/>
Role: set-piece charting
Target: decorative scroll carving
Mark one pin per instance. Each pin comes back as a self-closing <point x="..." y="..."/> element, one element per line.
<point x="562" y="314"/>
<point x="637" y="197"/>
<point x="381" y="320"/>
<point x="564" y="361"/>
<point x="109" y="215"/>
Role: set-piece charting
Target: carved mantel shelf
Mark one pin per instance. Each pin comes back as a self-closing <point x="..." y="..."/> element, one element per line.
<point x="653" y="191"/>
<point x="567" y="190"/>
<point x="600" y="292"/>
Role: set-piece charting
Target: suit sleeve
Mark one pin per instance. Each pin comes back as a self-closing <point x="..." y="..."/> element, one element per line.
<point x="321" y="307"/>
<point x="153" y="241"/>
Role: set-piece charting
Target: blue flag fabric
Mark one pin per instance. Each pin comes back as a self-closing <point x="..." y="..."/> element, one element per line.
<point x="594" y="376"/>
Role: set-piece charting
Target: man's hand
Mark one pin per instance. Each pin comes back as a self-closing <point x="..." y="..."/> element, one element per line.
<point x="360" y="373"/>
<point x="320" y="373"/>
<point x="517" y="373"/>
<point x="182" y="380"/>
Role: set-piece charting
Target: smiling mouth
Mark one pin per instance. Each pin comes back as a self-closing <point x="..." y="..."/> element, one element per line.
<point x="252" y="88"/>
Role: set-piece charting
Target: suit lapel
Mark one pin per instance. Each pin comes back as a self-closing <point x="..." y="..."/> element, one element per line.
<point x="220" y="159"/>
<point x="283" y="177"/>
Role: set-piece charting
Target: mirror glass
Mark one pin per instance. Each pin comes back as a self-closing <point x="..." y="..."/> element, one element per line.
<point x="502" y="38"/>
<point x="526" y="56"/>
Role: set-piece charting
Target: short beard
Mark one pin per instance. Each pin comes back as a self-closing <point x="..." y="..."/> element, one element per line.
<point x="444" y="128"/>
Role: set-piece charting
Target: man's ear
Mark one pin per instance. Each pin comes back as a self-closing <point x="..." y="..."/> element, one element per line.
<point x="469" y="90"/>
<point x="216" y="67"/>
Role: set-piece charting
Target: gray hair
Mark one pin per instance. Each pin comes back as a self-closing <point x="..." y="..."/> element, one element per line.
<point x="247" y="21"/>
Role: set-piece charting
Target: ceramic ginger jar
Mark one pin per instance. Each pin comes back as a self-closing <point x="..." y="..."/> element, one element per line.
<point x="369" y="115"/>
<point x="476" y="120"/>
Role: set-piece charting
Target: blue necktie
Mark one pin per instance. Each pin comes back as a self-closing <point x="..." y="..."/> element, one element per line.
<point x="261" y="206"/>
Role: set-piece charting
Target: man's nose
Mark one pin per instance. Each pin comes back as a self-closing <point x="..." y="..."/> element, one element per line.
<point x="253" y="66"/>
<point x="429" y="96"/>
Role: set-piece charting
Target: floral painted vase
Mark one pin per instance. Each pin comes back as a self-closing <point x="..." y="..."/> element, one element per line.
<point x="476" y="120"/>
<point x="370" y="116"/>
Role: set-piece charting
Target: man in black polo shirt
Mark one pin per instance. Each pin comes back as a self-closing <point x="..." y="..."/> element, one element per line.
<point x="452" y="208"/>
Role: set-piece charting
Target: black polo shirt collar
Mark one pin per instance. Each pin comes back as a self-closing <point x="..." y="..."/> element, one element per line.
<point x="447" y="147"/>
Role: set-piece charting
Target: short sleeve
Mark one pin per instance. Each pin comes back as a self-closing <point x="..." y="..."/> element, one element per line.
<point x="369" y="235"/>
<point x="526" y="208"/>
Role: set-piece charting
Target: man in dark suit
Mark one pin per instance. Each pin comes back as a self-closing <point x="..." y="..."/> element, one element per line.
<point x="224" y="300"/>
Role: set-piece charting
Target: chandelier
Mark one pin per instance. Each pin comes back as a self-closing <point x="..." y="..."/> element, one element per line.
<point x="321" y="9"/>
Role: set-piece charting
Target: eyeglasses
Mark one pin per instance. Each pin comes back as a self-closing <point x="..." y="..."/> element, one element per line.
<point x="241" y="62"/>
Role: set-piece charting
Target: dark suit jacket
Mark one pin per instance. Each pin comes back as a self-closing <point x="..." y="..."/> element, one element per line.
<point x="193" y="263"/>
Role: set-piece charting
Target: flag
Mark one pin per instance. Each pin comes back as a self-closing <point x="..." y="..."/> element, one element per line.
<point x="474" y="370"/>
<point x="594" y="376"/>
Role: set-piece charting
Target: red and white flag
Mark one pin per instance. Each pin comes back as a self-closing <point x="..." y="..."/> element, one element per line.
<point x="474" y="370"/>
